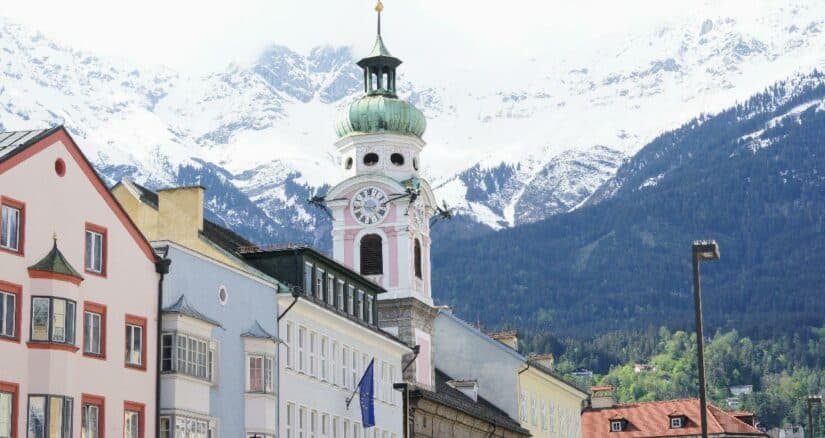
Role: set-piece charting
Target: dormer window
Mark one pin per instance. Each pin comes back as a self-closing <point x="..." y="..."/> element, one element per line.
<point x="677" y="422"/>
<point x="618" y="425"/>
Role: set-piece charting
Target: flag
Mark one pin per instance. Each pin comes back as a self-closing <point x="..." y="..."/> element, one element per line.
<point x="366" y="389"/>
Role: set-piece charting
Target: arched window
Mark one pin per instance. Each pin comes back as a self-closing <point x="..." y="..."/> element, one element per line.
<point x="372" y="261"/>
<point x="417" y="258"/>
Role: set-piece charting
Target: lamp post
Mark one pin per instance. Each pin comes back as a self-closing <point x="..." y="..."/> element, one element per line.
<point x="702" y="250"/>
<point x="814" y="399"/>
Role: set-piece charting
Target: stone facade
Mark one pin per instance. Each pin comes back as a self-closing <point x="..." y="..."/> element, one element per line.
<point x="402" y="317"/>
<point x="432" y="419"/>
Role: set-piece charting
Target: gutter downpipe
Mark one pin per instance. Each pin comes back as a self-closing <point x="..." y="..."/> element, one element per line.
<point x="162" y="268"/>
<point x="526" y="367"/>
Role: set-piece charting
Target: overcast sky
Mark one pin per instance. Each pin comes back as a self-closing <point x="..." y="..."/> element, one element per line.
<point x="207" y="34"/>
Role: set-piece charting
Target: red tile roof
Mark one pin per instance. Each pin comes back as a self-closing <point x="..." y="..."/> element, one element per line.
<point x="650" y="420"/>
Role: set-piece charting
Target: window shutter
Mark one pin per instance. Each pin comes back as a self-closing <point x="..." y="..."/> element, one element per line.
<point x="371" y="256"/>
<point x="417" y="257"/>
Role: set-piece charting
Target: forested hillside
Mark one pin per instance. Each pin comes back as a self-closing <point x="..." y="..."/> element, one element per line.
<point x="751" y="177"/>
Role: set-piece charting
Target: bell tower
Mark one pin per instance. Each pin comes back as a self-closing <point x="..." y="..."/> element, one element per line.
<point x="381" y="211"/>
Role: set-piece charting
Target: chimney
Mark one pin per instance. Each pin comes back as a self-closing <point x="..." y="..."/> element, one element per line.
<point x="601" y="397"/>
<point x="180" y="213"/>
<point x="508" y="338"/>
<point x="546" y="360"/>
<point x="467" y="387"/>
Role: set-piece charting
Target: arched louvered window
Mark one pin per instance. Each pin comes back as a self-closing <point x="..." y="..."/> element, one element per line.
<point x="372" y="261"/>
<point x="417" y="257"/>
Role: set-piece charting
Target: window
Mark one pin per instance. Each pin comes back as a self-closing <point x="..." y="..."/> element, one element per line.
<point x="345" y="429"/>
<point x="135" y="342"/>
<point x="334" y="360"/>
<point x="417" y="258"/>
<point x="676" y="422"/>
<point x="302" y="421"/>
<point x="12" y="223"/>
<point x="324" y="364"/>
<point x="350" y="298"/>
<point x="339" y="292"/>
<point x="302" y="339"/>
<point x="290" y="420"/>
<point x="313" y="371"/>
<point x="50" y="416"/>
<point x="8" y="409"/>
<point x="371" y="159"/>
<point x="223" y="295"/>
<point x="397" y="159"/>
<point x="392" y="379"/>
<point x="53" y="320"/>
<point x="313" y="423"/>
<point x="10" y="311"/>
<point x="348" y="163"/>
<point x="187" y="427"/>
<point x="384" y="381"/>
<point x="523" y="407"/>
<point x="616" y="425"/>
<point x="133" y="420"/>
<point x="288" y="344"/>
<point x="360" y="304"/>
<point x="319" y="284"/>
<point x="543" y="415"/>
<point x="336" y="427"/>
<point x="94" y="329"/>
<point x="308" y="278"/>
<point x="186" y="354"/>
<point x="330" y="292"/>
<point x="354" y="369"/>
<point x="95" y="249"/>
<point x="260" y="374"/>
<point x="165" y="427"/>
<point x="356" y="430"/>
<point x="533" y="415"/>
<point x="369" y="310"/>
<point x="372" y="262"/>
<point x="344" y="366"/>
<point x="91" y="416"/>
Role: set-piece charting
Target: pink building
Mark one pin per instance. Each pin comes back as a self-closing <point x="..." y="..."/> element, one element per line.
<point x="78" y="298"/>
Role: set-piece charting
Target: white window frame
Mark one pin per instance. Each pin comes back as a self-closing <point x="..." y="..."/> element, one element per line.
<point x="290" y="420"/>
<point x="8" y="326"/>
<point x="334" y="377"/>
<point x="90" y="334"/>
<point x="339" y="293"/>
<point x="345" y="366"/>
<point x="302" y="340"/>
<point x="318" y="284"/>
<point x="189" y="355"/>
<point x="266" y="384"/>
<point x="313" y="424"/>
<point x="290" y="334"/>
<point x="615" y="425"/>
<point x="10" y="215"/>
<point x="324" y="425"/>
<point x="330" y="289"/>
<point x="313" y="363"/>
<point x="134" y="356"/>
<point x="308" y="268"/>
<point x="675" y="422"/>
<point x="94" y="260"/>
<point x="302" y="421"/>
<point x="324" y="367"/>
<point x="351" y="299"/>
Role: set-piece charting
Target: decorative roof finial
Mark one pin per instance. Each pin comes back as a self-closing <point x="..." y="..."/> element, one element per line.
<point x="378" y="8"/>
<point x="54" y="237"/>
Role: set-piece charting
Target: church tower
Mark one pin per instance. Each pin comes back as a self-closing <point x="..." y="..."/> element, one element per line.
<point x="381" y="211"/>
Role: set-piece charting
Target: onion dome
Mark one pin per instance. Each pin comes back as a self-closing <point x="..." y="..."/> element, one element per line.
<point x="380" y="109"/>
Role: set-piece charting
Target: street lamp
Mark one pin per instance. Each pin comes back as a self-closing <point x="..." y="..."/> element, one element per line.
<point x="702" y="250"/>
<point x="814" y="399"/>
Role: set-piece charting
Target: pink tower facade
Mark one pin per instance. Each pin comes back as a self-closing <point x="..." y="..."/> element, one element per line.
<point x="78" y="298"/>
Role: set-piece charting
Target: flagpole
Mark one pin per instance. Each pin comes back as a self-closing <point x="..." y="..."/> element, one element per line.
<point x="358" y="386"/>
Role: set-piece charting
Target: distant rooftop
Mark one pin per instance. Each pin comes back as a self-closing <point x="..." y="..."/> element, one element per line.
<point x="13" y="141"/>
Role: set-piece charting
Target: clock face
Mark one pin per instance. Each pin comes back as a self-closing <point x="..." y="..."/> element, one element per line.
<point x="370" y="206"/>
<point x="419" y="214"/>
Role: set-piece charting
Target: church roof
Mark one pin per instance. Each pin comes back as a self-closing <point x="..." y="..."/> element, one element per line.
<point x="55" y="263"/>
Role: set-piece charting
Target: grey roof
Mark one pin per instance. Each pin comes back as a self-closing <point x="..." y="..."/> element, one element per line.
<point x="256" y="331"/>
<point x="14" y="141"/>
<point x="481" y="408"/>
<point x="182" y="307"/>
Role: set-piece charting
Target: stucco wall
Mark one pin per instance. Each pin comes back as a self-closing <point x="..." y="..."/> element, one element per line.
<point x="63" y="205"/>
<point x="557" y="407"/>
<point x="249" y="300"/>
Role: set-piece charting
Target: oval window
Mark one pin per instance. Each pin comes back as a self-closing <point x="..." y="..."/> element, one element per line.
<point x="415" y="163"/>
<point x="348" y="163"/>
<point x="223" y="295"/>
<point x="60" y="167"/>
<point x="397" y="159"/>
<point x="371" y="159"/>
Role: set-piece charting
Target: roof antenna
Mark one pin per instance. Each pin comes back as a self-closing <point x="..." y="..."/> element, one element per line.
<point x="378" y="8"/>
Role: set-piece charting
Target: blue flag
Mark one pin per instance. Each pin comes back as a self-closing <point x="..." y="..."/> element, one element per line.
<point x="365" y="395"/>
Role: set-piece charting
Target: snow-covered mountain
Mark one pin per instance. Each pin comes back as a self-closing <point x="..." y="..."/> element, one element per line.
<point x="503" y="151"/>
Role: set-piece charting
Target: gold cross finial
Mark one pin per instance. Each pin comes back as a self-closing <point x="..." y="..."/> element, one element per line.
<point x="379" y="7"/>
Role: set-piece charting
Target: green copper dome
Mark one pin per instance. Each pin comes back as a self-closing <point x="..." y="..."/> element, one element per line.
<point x="375" y="113"/>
